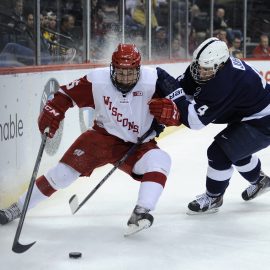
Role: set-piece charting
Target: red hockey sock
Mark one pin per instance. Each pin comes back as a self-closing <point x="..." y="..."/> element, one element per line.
<point x="44" y="186"/>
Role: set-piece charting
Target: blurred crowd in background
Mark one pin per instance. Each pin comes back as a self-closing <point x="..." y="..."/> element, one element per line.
<point x="79" y="31"/>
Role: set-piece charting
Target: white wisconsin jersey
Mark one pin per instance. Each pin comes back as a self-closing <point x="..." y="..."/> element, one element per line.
<point x="125" y="116"/>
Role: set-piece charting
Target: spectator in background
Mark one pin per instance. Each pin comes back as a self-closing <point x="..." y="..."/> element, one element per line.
<point x="30" y="20"/>
<point x="70" y="40"/>
<point x="66" y="29"/>
<point x="236" y="46"/>
<point x="237" y="54"/>
<point x="160" y="43"/>
<point x="139" y="15"/>
<point x="44" y="20"/>
<point x="18" y="10"/>
<point x="16" y="16"/>
<point x="52" y="21"/>
<point x="15" y="23"/>
<point x="23" y="52"/>
<point x="199" y="27"/>
<point x="221" y="35"/>
<point x="109" y="13"/>
<point x="221" y="23"/>
<point x="30" y="35"/>
<point x="177" y="50"/>
<point x="97" y="26"/>
<point x="262" y="50"/>
<point x="162" y="13"/>
<point x="199" y="20"/>
<point x="219" y="19"/>
<point x="51" y="27"/>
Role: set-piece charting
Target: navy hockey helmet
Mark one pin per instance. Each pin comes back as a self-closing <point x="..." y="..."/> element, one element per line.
<point x="208" y="58"/>
<point x="125" y="67"/>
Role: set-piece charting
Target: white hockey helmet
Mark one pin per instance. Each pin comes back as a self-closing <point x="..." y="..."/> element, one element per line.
<point x="209" y="56"/>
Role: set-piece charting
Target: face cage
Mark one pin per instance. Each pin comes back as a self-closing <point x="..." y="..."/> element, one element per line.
<point x="195" y="73"/>
<point x="123" y="88"/>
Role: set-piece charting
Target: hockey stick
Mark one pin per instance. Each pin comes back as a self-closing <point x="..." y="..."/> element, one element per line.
<point x="73" y="201"/>
<point x="17" y="247"/>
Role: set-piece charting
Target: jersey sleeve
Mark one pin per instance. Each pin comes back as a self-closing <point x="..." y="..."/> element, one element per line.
<point x="201" y="106"/>
<point x="80" y="92"/>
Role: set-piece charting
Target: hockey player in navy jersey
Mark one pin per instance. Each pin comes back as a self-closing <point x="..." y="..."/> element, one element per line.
<point x="217" y="88"/>
<point x="120" y="95"/>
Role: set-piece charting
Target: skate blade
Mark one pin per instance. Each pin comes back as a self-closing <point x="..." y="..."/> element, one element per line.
<point x="133" y="229"/>
<point x="193" y="213"/>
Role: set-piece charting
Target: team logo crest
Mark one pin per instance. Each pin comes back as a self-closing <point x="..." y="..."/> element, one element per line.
<point x="78" y="152"/>
<point x="50" y="89"/>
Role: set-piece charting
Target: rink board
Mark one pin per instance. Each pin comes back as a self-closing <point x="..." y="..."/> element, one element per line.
<point x="22" y="97"/>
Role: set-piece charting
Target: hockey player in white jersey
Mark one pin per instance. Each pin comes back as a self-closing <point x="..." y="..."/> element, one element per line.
<point x="120" y="96"/>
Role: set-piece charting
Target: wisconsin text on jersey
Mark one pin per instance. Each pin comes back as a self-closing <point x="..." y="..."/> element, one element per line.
<point x="119" y="116"/>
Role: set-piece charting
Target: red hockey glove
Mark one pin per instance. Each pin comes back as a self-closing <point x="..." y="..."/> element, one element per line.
<point x="165" y="111"/>
<point x="53" y="113"/>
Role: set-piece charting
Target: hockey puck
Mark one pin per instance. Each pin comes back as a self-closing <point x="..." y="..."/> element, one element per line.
<point x="75" y="255"/>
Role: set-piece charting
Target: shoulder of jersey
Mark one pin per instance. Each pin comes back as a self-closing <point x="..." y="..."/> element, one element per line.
<point x="237" y="63"/>
<point x="99" y="74"/>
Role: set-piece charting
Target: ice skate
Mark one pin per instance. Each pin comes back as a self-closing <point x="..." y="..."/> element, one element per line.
<point x="262" y="186"/>
<point x="139" y="220"/>
<point x="9" y="214"/>
<point x="204" y="204"/>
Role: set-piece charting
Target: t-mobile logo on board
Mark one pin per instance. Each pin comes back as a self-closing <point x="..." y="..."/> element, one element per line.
<point x="119" y="116"/>
<point x="11" y="129"/>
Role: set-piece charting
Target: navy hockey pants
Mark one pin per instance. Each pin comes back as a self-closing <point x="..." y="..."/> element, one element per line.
<point x="235" y="145"/>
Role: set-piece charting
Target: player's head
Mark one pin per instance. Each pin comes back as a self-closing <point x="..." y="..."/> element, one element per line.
<point x="207" y="59"/>
<point x="125" y="67"/>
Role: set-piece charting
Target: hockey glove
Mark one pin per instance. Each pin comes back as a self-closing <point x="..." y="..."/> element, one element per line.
<point x="165" y="111"/>
<point x="53" y="113"/>
<point x="166" y="84"/>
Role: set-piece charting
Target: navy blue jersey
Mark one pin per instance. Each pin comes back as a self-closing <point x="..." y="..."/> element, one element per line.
<point x="237" y="93"/>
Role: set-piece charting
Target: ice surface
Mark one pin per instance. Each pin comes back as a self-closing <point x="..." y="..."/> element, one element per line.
<point x="235" y="238"/>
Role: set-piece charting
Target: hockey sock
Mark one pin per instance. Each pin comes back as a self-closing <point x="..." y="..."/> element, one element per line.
<point x="150" y="192"/>
<point x="249" y="168"/>
<point x="41" y="191"/>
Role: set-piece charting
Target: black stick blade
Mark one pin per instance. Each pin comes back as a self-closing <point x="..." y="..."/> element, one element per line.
<point x="19" y="248"/>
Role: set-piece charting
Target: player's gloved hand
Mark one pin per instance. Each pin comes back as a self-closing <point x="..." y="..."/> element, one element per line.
<point x="165" y="111"/>
<point x="53" y="113"/>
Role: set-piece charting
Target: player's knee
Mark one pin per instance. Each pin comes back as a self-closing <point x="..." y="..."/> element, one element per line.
<point x="155" y="160"/>
<point x="217" y="159"/>
<point x="61" y="176"/>
<point x="163" y="162"/>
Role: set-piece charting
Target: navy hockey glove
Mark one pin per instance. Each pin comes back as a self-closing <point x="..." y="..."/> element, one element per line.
<point x="166" y="84"/>
<point x="53" y="113"/>
<point x="165" y="111"/>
